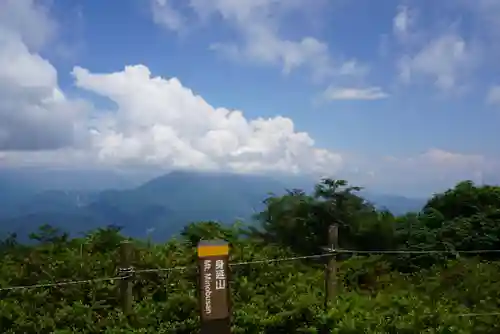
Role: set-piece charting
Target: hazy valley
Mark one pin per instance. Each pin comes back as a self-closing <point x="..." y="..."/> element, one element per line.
<point x="145" y="206"/>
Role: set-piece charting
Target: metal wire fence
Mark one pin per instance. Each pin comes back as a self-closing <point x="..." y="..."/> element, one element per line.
<point x="253" y="262"/>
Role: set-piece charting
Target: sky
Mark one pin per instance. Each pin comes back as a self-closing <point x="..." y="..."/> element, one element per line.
<point x="400" y="96"/>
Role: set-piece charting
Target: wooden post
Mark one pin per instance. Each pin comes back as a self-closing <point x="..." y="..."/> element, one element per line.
<point x="213" y="271"/>
<point x="331" y="267"/>
<point x="126" y="272"/>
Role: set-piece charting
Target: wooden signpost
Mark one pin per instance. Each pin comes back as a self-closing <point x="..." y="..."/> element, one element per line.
<point x="213" y="267"/>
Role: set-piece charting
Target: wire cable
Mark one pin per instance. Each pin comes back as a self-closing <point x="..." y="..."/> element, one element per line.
<point x="331" y="252"/>
<point x="403" y="251"/>
<point x="63" y="283"/>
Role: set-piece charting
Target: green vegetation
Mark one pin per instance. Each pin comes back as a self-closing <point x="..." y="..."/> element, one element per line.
<point x="400" y="293"/>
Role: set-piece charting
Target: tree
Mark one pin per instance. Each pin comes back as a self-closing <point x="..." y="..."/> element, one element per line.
<point x="104" y="239"/>
<point x="464" y="200"/>
<point x="300" y="221"/>
<point x="48" y="234"/>
<point x="195" y="232"/>
<point x="9" y="243"/>
<point x="466" y="217"/>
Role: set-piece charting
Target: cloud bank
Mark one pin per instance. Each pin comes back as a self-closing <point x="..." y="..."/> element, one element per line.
<point x="157" y="121"/>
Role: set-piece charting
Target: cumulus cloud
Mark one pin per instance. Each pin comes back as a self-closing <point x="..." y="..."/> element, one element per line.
<point x="29" y="20"/>
<point x="343" y="93"/>
<point x="159" y="121"/>
<point x="34" y="113"/>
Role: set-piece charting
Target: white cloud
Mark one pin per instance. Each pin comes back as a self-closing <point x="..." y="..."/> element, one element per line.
<point x="445" y="60"/>
<point x="493" y="96"/>
<point x="259" y="24"/>
<point x="432" y="170"/>
<point x="403" y="23"/>
<point x="266" y="48"/>
<point x="342" y="93"/>
<point x="164" y="14"/>
<point x="34" y="114"/>
<point x="159" y="121"/>
<point x="262" y="43"/>
<point x="441" y="165"/>
<point x="446" y="160"/>
<point x="418" y="174"/>
<point x="441" y="56"/>
<point x="29" y="20"/>
<point x="21" y="68"/>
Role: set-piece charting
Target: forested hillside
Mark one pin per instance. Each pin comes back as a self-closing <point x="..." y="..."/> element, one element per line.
<point x="443" y="279"/>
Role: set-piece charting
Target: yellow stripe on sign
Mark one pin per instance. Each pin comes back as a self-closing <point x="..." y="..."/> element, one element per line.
<point x="204" y="251"/>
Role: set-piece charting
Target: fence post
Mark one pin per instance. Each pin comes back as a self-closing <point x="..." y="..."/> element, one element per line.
<point x="331" y="267"/>
<point x="126" y="272"/>
<point x="213" y="270"/>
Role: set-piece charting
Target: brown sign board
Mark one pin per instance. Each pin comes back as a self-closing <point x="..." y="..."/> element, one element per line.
<point x="213" y="267"/>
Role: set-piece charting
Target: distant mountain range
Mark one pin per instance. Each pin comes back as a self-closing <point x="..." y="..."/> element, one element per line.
<point x="162" y="205"/>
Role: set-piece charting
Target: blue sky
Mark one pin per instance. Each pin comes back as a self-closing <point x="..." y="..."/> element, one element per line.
<point x="399" y="95"/>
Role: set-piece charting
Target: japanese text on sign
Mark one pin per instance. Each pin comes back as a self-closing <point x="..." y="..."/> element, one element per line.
<point x="220" y="275"/>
